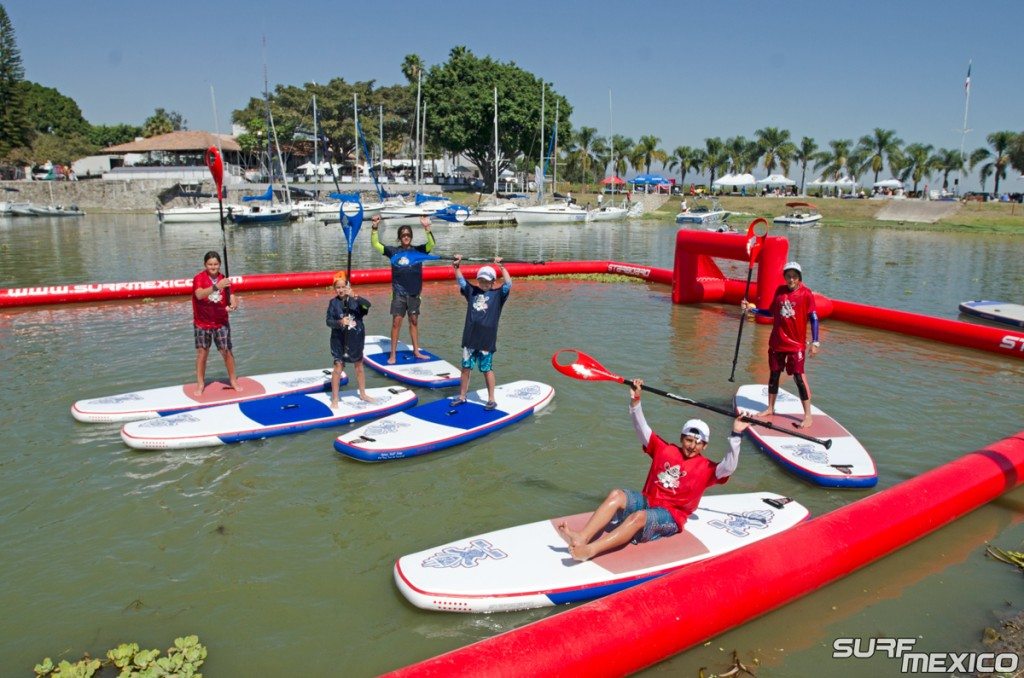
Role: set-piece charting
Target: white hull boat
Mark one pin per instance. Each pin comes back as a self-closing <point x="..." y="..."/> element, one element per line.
<point x="205" y="213"/>
<point x="802" y="214"/>
<point x="554" y="213"/>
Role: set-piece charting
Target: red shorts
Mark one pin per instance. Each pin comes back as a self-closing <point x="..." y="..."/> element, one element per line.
<point x="791" y="361"/>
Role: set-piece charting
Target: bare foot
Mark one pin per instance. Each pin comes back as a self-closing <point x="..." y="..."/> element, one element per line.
<point x="234" y="386"/>
<point x="581" y="553"/>
<point x="765" y="413"/>
<point x="806" y="423"/>
<point x="334" y="404"/>
<point x="571" y="538"/>
<point x="420" y="356"/>
<point x="366" y="399"/>
<point x="199" y="389"/>
<point x="392" y="359"/>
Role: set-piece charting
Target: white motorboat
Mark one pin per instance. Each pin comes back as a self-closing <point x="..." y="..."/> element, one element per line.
<point x="56" y="211"/>
<point x="615" y="212"/>
<point x="370" y="209"/>
<point x="801" y="214"/>
<point x="207" y="212"/>
<point x="702" y="214"/>
<point x="552" y="213"/>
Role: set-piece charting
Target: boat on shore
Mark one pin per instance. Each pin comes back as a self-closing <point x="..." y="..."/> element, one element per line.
<point x="800" y="214"/>
<point x="551" y="213"/>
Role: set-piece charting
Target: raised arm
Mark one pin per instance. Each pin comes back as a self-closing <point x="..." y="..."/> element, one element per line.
<point x="643" y="431"/>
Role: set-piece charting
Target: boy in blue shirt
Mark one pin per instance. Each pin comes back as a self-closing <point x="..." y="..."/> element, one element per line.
<point x="480" y="334"/>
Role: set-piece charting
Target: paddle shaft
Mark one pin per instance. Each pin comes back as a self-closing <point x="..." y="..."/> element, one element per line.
<point x="826" y="443"/>
<point x="743" y="319"/>
<point x="485" y="260"/>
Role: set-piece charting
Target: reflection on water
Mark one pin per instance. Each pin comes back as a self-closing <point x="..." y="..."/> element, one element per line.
<point x="104" y="544"/>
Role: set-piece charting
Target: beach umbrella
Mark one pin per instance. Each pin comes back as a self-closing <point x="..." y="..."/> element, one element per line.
<point x="613" y="181"/>
<point x="776" y="180"/>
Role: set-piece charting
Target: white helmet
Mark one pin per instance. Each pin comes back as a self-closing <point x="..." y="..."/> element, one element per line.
<point x="793" y="266"/>
<point x="486" y="273"/>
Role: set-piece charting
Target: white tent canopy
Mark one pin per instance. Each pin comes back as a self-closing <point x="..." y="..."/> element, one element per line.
<point x="888" y="183"/>
<point x="776" y="180"/>
<point x="736" y="180"/>
<point x="725" y="180"/>
<point x="821" y="182"/>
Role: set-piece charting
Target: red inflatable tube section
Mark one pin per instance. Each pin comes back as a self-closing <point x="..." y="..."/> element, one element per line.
<point x="641" y="626"/>
<point x="93" y="292"/>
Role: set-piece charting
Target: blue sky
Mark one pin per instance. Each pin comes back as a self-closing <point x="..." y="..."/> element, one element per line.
<point x="682" y="71"/>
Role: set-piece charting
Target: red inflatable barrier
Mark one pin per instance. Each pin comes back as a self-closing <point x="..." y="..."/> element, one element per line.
<point x="636" y="628"/>
<point x="93" y="292"/>
<point x="697" y="278"/>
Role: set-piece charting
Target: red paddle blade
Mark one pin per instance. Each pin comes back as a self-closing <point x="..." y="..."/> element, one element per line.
<point x="216" y="165"/>
<point x="755" y="241"/>
<point x="582" y="367"/>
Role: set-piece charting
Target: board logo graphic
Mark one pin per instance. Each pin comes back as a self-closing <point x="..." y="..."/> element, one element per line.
<point x="525" y="392"/>
<point x="171" y="421"/>
<point x="115" y="399"/>
<point x="465" y="556"/>
<point x="808" y="452"/>
<point x="384" y="427"/>
<point x="303" y="381"/>
<point x="739" y="524"/>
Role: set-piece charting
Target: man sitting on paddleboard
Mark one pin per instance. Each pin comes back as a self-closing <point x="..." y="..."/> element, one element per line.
<point x="676" y="481"/>
<point x="792" y="307"/>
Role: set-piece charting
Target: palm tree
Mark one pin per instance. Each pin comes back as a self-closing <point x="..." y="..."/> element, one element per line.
<point x="581" y="152"/>
<point x="948" y="160"/>
<point x="685" y="158"/>
<point x="833" y="163"/>
<point x="1001" y="143"/>
<point x="716" y="156"/>
<point x="412" y="66"/>
<point x="647" y="148"/>
<point x="879" y="146"/>
<point x="776" y="148"/>
<point x="805" y="153"/>
<point x="920" y="163"/>
<point x="1016" y="152"/>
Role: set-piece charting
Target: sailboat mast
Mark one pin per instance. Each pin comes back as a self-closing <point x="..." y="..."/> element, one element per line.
<point x="540" y="178"/>
<point x="964" y="131"/>
<point x="494" y="192"/>
<point x="380" y="131"/>
<point x="416" y="143"/>
<point x="554" y="154"/>
<point x="355" y="125"/>
<point x="611" y="137"/>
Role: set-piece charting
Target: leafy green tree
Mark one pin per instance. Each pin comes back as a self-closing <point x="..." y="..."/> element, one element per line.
<point x="804" y="154"/>
<point x="947" y="161"/>
<point x="878" y="147"/>
<point x="622" y="147"/>
<point x="50" y="112"/>
<point x="412" y="66"/>
<point x="459" y="95"/>
<point x="163" y="122"/>
<point x="998" y="158"/>
<point x="648" y="148"/>
<point x="61" y="149"/>
<point x="15" y="130"/>
<point x="743" y="153"/>
<point x="920" y="163"/>
<point x="776" y="148"/>
<point x="103" y="136"/>
<point x="1016" y="152"/>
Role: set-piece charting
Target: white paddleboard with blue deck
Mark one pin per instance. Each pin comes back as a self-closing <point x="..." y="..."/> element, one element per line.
<point x="845" y="464"/>
<point x="258" y="419"/>
<point x="996" y="311"/>
<point x="156" y="402"/>
<point x="408" y="369"/>
<point x="529" y="566"/>
<point x="440" y="424"/>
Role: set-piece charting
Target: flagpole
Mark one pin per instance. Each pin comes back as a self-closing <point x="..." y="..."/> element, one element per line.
<point x="965" y="130"/>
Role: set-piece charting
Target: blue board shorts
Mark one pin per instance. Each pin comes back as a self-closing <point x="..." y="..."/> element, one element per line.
<point x="471" y="357"/>
<point x="220" y="336"/>
<point x="659" y="521"/>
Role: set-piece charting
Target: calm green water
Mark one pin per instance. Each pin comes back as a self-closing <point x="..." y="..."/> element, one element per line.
<point x="278" y="553"/>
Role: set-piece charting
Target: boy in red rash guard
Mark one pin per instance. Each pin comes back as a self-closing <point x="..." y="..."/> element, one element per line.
<point x="792" y="307"/>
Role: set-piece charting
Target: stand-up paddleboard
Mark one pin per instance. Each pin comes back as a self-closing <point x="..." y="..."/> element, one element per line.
<point x="845" y="464"/>
<point x="440" y="424"/>
<point x="997" y="311"/>
<point x="171" y="399"/>
<point x="257" y="419"/>
<point x="408" y="369"/>
<point x="529" y="566"/>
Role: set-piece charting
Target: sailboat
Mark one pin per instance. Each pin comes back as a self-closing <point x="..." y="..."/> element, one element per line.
<point x="610" y="212"/>
<point x="495" y="211"/>
<point x="271" y="213"/>
<point x="557" y="212"/>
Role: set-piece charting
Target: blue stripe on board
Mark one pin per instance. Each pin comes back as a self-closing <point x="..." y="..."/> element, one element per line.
<point x="401" y="357"/>
<point x="379" y="362"/>
<point x="596" y="591"/>
<point x="466" y="416"/>
<point x="284" y="409"/>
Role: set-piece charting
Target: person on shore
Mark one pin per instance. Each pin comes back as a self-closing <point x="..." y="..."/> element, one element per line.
<point x="345" y="313"/>
<point x="480" y="333"/>
<point x="406" y="282"/>
<point x="211" y="302"/>
<point x="678" y="476"/>
<point x="792" y="307"/>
